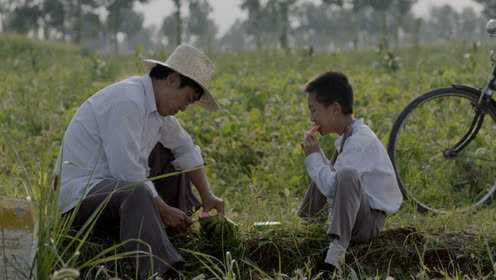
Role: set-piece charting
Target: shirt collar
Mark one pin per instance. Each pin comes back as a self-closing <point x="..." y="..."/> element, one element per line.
<point x="151" y="105"/>
<point x="357" y="123"/>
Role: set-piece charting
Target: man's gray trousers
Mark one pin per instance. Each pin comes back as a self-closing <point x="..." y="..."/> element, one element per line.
<point x="129" y="207"/>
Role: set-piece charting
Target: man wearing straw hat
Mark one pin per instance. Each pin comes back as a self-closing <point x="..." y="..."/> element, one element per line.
<point x="126" y="133"/>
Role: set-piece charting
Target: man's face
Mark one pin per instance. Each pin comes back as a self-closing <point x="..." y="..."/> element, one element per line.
<point x="170" y="98"/>
<point x="323" y="116"/>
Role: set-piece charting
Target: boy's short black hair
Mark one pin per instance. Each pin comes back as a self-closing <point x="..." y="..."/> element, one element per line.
<point x="332" y="87"/>
<point x="160" y="72"/>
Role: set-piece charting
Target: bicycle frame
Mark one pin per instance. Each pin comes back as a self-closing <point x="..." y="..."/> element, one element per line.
<point x="491" y="85"/>
<point x="485" y="101"/>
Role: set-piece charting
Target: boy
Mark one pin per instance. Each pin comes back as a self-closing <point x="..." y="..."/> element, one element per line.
<point x="359" y="181"/>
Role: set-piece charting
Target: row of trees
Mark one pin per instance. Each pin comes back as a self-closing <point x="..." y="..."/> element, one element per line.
<point x="79" y="21"/>
<point x="110" y="25"/>
<point x="198" y="28"/>
<point x="337" y="24"/>
<point x="328" y="24"/>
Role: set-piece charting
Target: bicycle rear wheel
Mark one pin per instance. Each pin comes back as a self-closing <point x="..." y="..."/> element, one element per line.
<point x="429" y="126"/>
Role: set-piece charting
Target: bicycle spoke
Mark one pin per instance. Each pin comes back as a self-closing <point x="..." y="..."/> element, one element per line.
<point x="479" y="158"/>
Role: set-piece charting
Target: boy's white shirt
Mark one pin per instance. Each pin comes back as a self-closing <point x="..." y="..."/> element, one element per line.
<point x="364" y="153"/>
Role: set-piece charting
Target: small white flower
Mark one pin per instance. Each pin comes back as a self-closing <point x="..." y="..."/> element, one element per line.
<point x="66" y="273"/>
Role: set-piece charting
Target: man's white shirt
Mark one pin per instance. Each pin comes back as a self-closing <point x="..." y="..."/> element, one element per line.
<point x="111" y="137"/>
<point x="364" y="153"/>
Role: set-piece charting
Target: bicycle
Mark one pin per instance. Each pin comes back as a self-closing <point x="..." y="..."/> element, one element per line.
<point x="443" y="146"/>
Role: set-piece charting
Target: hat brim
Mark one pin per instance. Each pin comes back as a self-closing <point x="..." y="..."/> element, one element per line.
<point x="207" y="100"/>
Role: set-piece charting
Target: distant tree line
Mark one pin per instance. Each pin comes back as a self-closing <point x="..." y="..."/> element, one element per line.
<point x="345" y="24"/>
<point x="78" y="21"/>
<point x="115" y="25"/>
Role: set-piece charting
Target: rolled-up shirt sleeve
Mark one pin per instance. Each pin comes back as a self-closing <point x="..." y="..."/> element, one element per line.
<point x="173" y="136"/>
<point x="120" y="132"/>
<point x="321" y="174"/>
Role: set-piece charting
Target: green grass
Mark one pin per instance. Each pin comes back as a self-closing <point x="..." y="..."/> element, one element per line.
<point x="254" y="162"/>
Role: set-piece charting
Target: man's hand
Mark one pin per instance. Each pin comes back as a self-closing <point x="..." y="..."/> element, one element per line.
<point x="213" y="202"/>
<point x="310" y="144"/>
<point x="172" y="217"/>
<point x="210" y="201"/>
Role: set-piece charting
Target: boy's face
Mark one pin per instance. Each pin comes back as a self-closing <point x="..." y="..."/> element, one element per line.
<point x="326" y="117"/>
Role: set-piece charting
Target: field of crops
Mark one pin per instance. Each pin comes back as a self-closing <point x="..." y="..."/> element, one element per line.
<point x="253" y="156"/>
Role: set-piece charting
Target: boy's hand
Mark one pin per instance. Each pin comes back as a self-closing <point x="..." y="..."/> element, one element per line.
<point x="310" y="144"/>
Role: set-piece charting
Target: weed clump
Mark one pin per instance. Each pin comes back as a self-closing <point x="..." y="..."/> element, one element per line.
<point x="220" y="231"/>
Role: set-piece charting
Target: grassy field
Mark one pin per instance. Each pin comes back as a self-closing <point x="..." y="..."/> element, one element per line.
<point x="253" y="157"/>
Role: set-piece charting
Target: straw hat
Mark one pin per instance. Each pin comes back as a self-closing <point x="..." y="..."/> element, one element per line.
<point x="194" y="64"/>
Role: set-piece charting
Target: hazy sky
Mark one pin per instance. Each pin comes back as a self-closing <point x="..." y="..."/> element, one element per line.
<point x="226" y="11"/>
